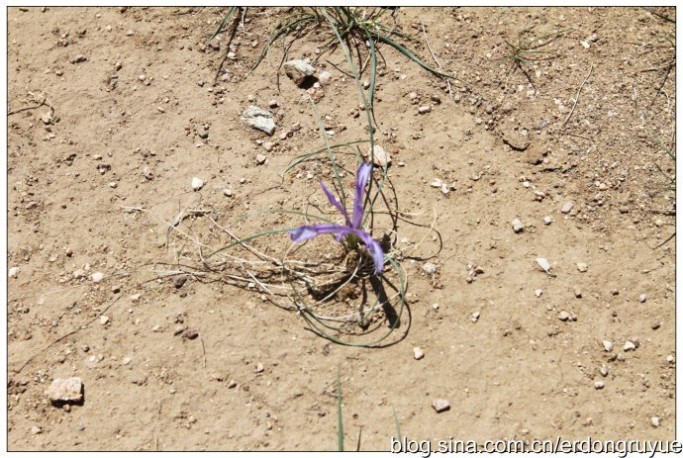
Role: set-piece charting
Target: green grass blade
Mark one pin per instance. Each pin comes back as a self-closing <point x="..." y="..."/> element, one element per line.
<point x="340" y="422"/>
<point x="228" y="16"/>
<point x="413" y="57"/>
<point x="398" y="426"/>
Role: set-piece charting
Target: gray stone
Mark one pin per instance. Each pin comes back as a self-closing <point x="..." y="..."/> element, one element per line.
<point x="566" y="208"/>
<point x="441" y="405"/>
<point x="259" y="119"/>
<point x="66" y="390"/>
<point x="299" y="71"/>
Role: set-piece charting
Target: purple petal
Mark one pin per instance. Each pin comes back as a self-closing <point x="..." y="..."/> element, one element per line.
<point x="374" y="248"/>
<point x="362" y="177"/>
<point x="333" y="200"/>
<point x="303" y="233"/>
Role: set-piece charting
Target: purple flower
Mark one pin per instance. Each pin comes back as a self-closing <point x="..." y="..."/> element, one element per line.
<point x="352" y="227"/>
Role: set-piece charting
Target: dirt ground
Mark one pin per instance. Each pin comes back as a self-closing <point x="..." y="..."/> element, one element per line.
<point x="113" y="111"/>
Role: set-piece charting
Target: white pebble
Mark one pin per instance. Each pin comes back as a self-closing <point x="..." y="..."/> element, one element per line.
<point x="582" y="266"/>
<point x="429" y="268"/>
<point x="547" y="220"/>
<point x="655" y="421"/>
<point x="424" y="109"/>
<point x="543" y="264"/>
<point x="563" y="316"/>
<point x="197" y="183"/>
<point x="599" y="385"/>
<point x="441" y="405"/>
<point x="628" y="346"/>
<point x="608" y="345"/>
<point x="104" y="319"/>
<point x="538" y="292"/>
<point x="418" y="353"/>
<point x="642" y="298"/>
<point x="97" y="277"/>
<point x="566" y="208"/>
<point x="670" y="359"/>
<point x="517" y="225"/>
<point x="228" y="192"/>
<point x="13" y="272"/>
<point x="324" y="77"/>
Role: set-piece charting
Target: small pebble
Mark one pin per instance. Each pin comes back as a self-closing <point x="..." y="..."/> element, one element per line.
<point x="566" y="208"/>
<point x="126" y="360"/>
<point x="608" y="345"/>
<point x="538" y="292"/>
<point x="232" y="384"/>
<point x="324" y="77"/>
<point x="113" y="184"/>
<point x="147" y="173"/>
<point x="78" y="59"/>
<point x="441" y="405"/>
<point x="474" y="317"/>
<point x="190" y="334"/>
<point x="517" y="226"/>
<point x="13" y="272"/>
<point x="380" y="157"/>
<point x="273" y="104"/>
<point x="424" y="109"/>
<point x="429" y="268"/>
<point x="228" y="192"/>
<point x="197" y="183"/>
<point x="642" y="298"/>
<point x="418" y="353"/>
<point x="655" y="422"/>
<point x="670" y="359"/>
<point x="582" y="266"/>
<point x="97" y="277"/>
<point x="547" y="220"/>
<point x="629" y="346"/>
<point x="36" y="430"/>
<point x="599" y="385"/>
<point x="259" y="368"/>
<point x="66" y="390"/>
<point x="260" y="159"/>
<point x="577" y="292"/>
<point x="104" y="320"/>
<point x="543" y="264"/>
<point x="604" y="370"/>
<point x="564" y="316"/>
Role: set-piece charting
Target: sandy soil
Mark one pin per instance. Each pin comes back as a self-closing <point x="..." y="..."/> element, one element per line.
<point x="102" y="150"/>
